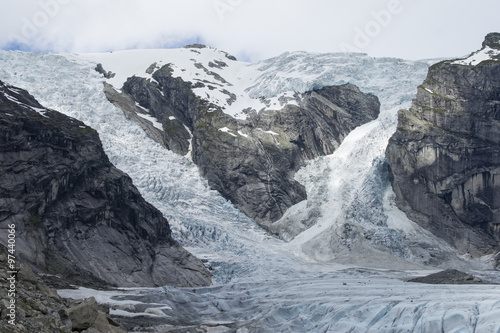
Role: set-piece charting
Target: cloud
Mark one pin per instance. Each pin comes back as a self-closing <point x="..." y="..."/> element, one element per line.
<point x="253" y="29"/>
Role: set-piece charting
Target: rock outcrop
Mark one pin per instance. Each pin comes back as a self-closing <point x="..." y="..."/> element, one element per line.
<point x="445" y="155"/>
<point x="450" y="276"/>
<point x="75" y="214"/>
<point x="37" y="307"/>
<point x="101" y="70"/>
<point x="251" y="161"/>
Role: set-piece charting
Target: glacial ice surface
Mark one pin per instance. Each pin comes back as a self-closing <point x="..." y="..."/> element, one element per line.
<point x="263" y="284"/>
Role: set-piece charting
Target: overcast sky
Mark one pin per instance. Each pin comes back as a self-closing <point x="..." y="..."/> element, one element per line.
<point x="252" y="29"/>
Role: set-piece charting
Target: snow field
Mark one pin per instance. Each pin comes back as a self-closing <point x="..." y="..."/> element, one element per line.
<point x="208" y="67"/>
<point x="476" y="58"/>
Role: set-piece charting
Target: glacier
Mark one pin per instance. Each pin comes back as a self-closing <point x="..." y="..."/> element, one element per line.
<point x="344" y="273"/>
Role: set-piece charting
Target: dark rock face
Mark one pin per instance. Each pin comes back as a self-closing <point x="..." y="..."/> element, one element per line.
<point x="76" y="214"/>
<point x="445" y="156"/>
<point x="450" y="276"/>
<point x="107" y="75"/>
<point x="251" y="162"/>
<point x="492" y="40"/>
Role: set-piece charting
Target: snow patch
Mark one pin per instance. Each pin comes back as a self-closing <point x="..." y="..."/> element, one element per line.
<point x="228" y="131"/>
<point x="242" y="134"/>
<point x="224" y="86"/>
<point x="190" y="149"/>
<point x="151" y="119"/>
<point x="267" y="132"/>
<point x="476" y="58"/>
<point x="11" y="98"/>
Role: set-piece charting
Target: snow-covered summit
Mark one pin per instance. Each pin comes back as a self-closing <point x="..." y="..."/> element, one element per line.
<point x="215" y="75"/>
<point x="270" y="84"/>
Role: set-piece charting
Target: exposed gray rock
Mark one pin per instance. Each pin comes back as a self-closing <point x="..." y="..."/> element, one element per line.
<point x="174" y="110"/>
<point x="103" y="324"/>
<point x="201" y="46"/>
<point x="38" y="308"/>
<point x="101" y="70"/>
<point x="492" y="40"/>
<point x="217" y="64"/>
<point x="450" y="276"/>
<point x="26" y="274"/>
<point x="132" y="112"/>
<point x="251" y="162"/>
<point x="83" y="313"/>
<point x="75" y="214"/>
<point x="195" y="46"/>
<point x="445" y="155"/>
<point x="151" y="68"/>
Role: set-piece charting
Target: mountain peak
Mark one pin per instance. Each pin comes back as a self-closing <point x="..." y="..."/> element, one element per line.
<point x="492" y="40"/>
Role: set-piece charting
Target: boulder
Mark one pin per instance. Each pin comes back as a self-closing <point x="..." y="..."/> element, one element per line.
<point x="83" y="313"/>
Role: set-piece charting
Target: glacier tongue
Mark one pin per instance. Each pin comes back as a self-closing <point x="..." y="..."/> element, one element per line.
<point x="261" y="285"/>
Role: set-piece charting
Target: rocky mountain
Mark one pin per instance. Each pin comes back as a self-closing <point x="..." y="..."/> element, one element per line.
<point x="346" y="191"/>
<point x="251" y="160"/>
<point x="445" y="155"/>
<point x="75" y="214"/>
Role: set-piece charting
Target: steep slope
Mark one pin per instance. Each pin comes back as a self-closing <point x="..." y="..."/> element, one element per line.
<point x="445" y="156"/>
<point x="249" y="159"/>
<point x="75" y="214"/>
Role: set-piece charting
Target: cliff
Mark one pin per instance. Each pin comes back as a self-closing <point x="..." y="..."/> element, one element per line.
<point x="75" y="214"/>
<point x="445" y="155"/>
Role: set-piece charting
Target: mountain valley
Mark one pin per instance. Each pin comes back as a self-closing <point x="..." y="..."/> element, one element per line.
<point x="312" y="187"/>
